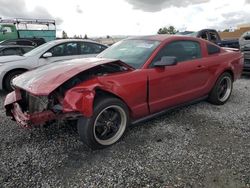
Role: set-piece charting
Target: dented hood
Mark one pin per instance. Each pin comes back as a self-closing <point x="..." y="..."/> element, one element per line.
<point x="44" y="80"/>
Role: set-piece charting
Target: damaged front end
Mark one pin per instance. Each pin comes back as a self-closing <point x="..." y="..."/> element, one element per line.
<point x="29" y="110"/>
<point x="64" y="98"/>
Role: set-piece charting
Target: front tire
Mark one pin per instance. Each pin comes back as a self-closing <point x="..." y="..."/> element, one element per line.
<point x="107" y="125"/>
<point x="222" y="89"/>
<point x="9" y="78"/>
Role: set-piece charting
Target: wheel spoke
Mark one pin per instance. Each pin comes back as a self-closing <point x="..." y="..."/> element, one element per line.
<point x="100" y="124"/>
<point x="103" y="118"/>
<point x="106" y="115"/>
<point x="221" y="91"/>
<point x="105" y="132"/>
<point x="114" y="127"/>
<point x="114" y="116"/>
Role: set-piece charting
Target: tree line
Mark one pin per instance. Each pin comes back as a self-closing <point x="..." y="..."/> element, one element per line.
<point x="171" y="30"/>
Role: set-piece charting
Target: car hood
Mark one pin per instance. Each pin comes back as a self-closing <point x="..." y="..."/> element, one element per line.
<point x="44" y="80"/>
<point x="11" y="58"/>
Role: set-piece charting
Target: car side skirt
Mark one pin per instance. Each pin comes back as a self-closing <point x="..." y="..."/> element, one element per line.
<point x="151" y="116"/>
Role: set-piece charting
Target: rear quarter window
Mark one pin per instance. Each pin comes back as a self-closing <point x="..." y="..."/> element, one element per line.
<point x="212" y="49"/>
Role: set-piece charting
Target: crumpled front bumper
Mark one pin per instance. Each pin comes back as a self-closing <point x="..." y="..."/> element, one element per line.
<point x="29" y="120"/>
<point x="22" y="118"/>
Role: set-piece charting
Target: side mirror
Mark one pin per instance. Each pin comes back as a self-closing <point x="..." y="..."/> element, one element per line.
<point x="166" y="61"/>
<point x="47" y="54"/>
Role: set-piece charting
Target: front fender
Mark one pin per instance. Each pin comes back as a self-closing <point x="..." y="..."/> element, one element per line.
<point x="79" y="99"/>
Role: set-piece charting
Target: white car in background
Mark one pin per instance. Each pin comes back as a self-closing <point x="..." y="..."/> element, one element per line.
<point x="53" y="51"/>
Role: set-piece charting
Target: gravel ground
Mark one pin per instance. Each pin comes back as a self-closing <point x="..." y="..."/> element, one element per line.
<point x="196" y="146"/>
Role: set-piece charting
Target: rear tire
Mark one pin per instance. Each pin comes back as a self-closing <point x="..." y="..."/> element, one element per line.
<point x="107" y="125"/>
<point x="9" y="78"/>
<point x="222" y="89"/>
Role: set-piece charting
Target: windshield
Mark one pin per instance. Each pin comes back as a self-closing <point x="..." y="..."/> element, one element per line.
<point x="132" y="52"/>
<point x="38" y="49"/>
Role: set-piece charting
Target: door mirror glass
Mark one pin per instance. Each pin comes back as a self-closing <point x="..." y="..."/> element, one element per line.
<point x="166" y="61"/>
<point x="47" y="54"/>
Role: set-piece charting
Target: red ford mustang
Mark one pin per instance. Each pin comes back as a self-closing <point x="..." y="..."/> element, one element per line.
<point x="133" y="80"/>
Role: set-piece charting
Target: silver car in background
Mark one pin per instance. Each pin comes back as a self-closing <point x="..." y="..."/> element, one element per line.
<point x="53" y="51"/>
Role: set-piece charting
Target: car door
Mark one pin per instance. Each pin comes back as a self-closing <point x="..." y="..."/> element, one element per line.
<point x="89" y="49"/>
<point x="173" y="85"/>
<point x="61" y="52"/>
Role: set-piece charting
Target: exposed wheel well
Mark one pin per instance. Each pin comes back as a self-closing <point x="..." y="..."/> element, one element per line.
<point x="13" y="70"/>
<point x="102" y="93"/>
<point x="230" y="72"/>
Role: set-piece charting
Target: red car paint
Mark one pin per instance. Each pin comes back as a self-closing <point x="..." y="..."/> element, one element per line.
<point x="145" y="91"/>
<point x="44" y="80"/>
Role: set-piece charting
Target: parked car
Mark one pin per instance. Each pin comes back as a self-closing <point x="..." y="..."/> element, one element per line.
<point x="212" y="36"/>
<point x="58" y="50"/>
<point x="133" y="80"/>
<point x="7" y="50"/>
<point x="245" y="48"/>
<point x="25" y="42"/>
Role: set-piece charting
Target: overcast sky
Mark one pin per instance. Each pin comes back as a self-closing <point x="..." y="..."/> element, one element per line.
<point x="130" y="17"/>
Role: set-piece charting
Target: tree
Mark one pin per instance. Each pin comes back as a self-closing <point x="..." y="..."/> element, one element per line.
<point x="85" y="36"/>
<point x="64" y="35"/>
<point x="167" y="30"/>
<point x="77" y="37"/>
<point x="226" y="30"/>
<point x="108" y="37"/>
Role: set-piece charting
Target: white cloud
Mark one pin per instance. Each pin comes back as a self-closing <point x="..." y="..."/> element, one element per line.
<point x="119" y="17"/>
<point x="18" y="9"/>
<point x="158" y="5"/>
<point x="78" y="9"/>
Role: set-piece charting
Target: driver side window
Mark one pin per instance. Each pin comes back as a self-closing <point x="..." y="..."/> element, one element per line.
<point x="182" y="50"/>
<point x="65" y="49"/>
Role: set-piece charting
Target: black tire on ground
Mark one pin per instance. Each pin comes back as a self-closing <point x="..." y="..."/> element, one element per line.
<point x="110" y="119"/>
<point x="8" y="79"/>
<point x="222" y="89"/>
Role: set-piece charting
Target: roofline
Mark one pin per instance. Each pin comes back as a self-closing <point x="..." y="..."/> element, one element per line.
<point x="13" y="45"/>
<point x="76" y="40"/>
